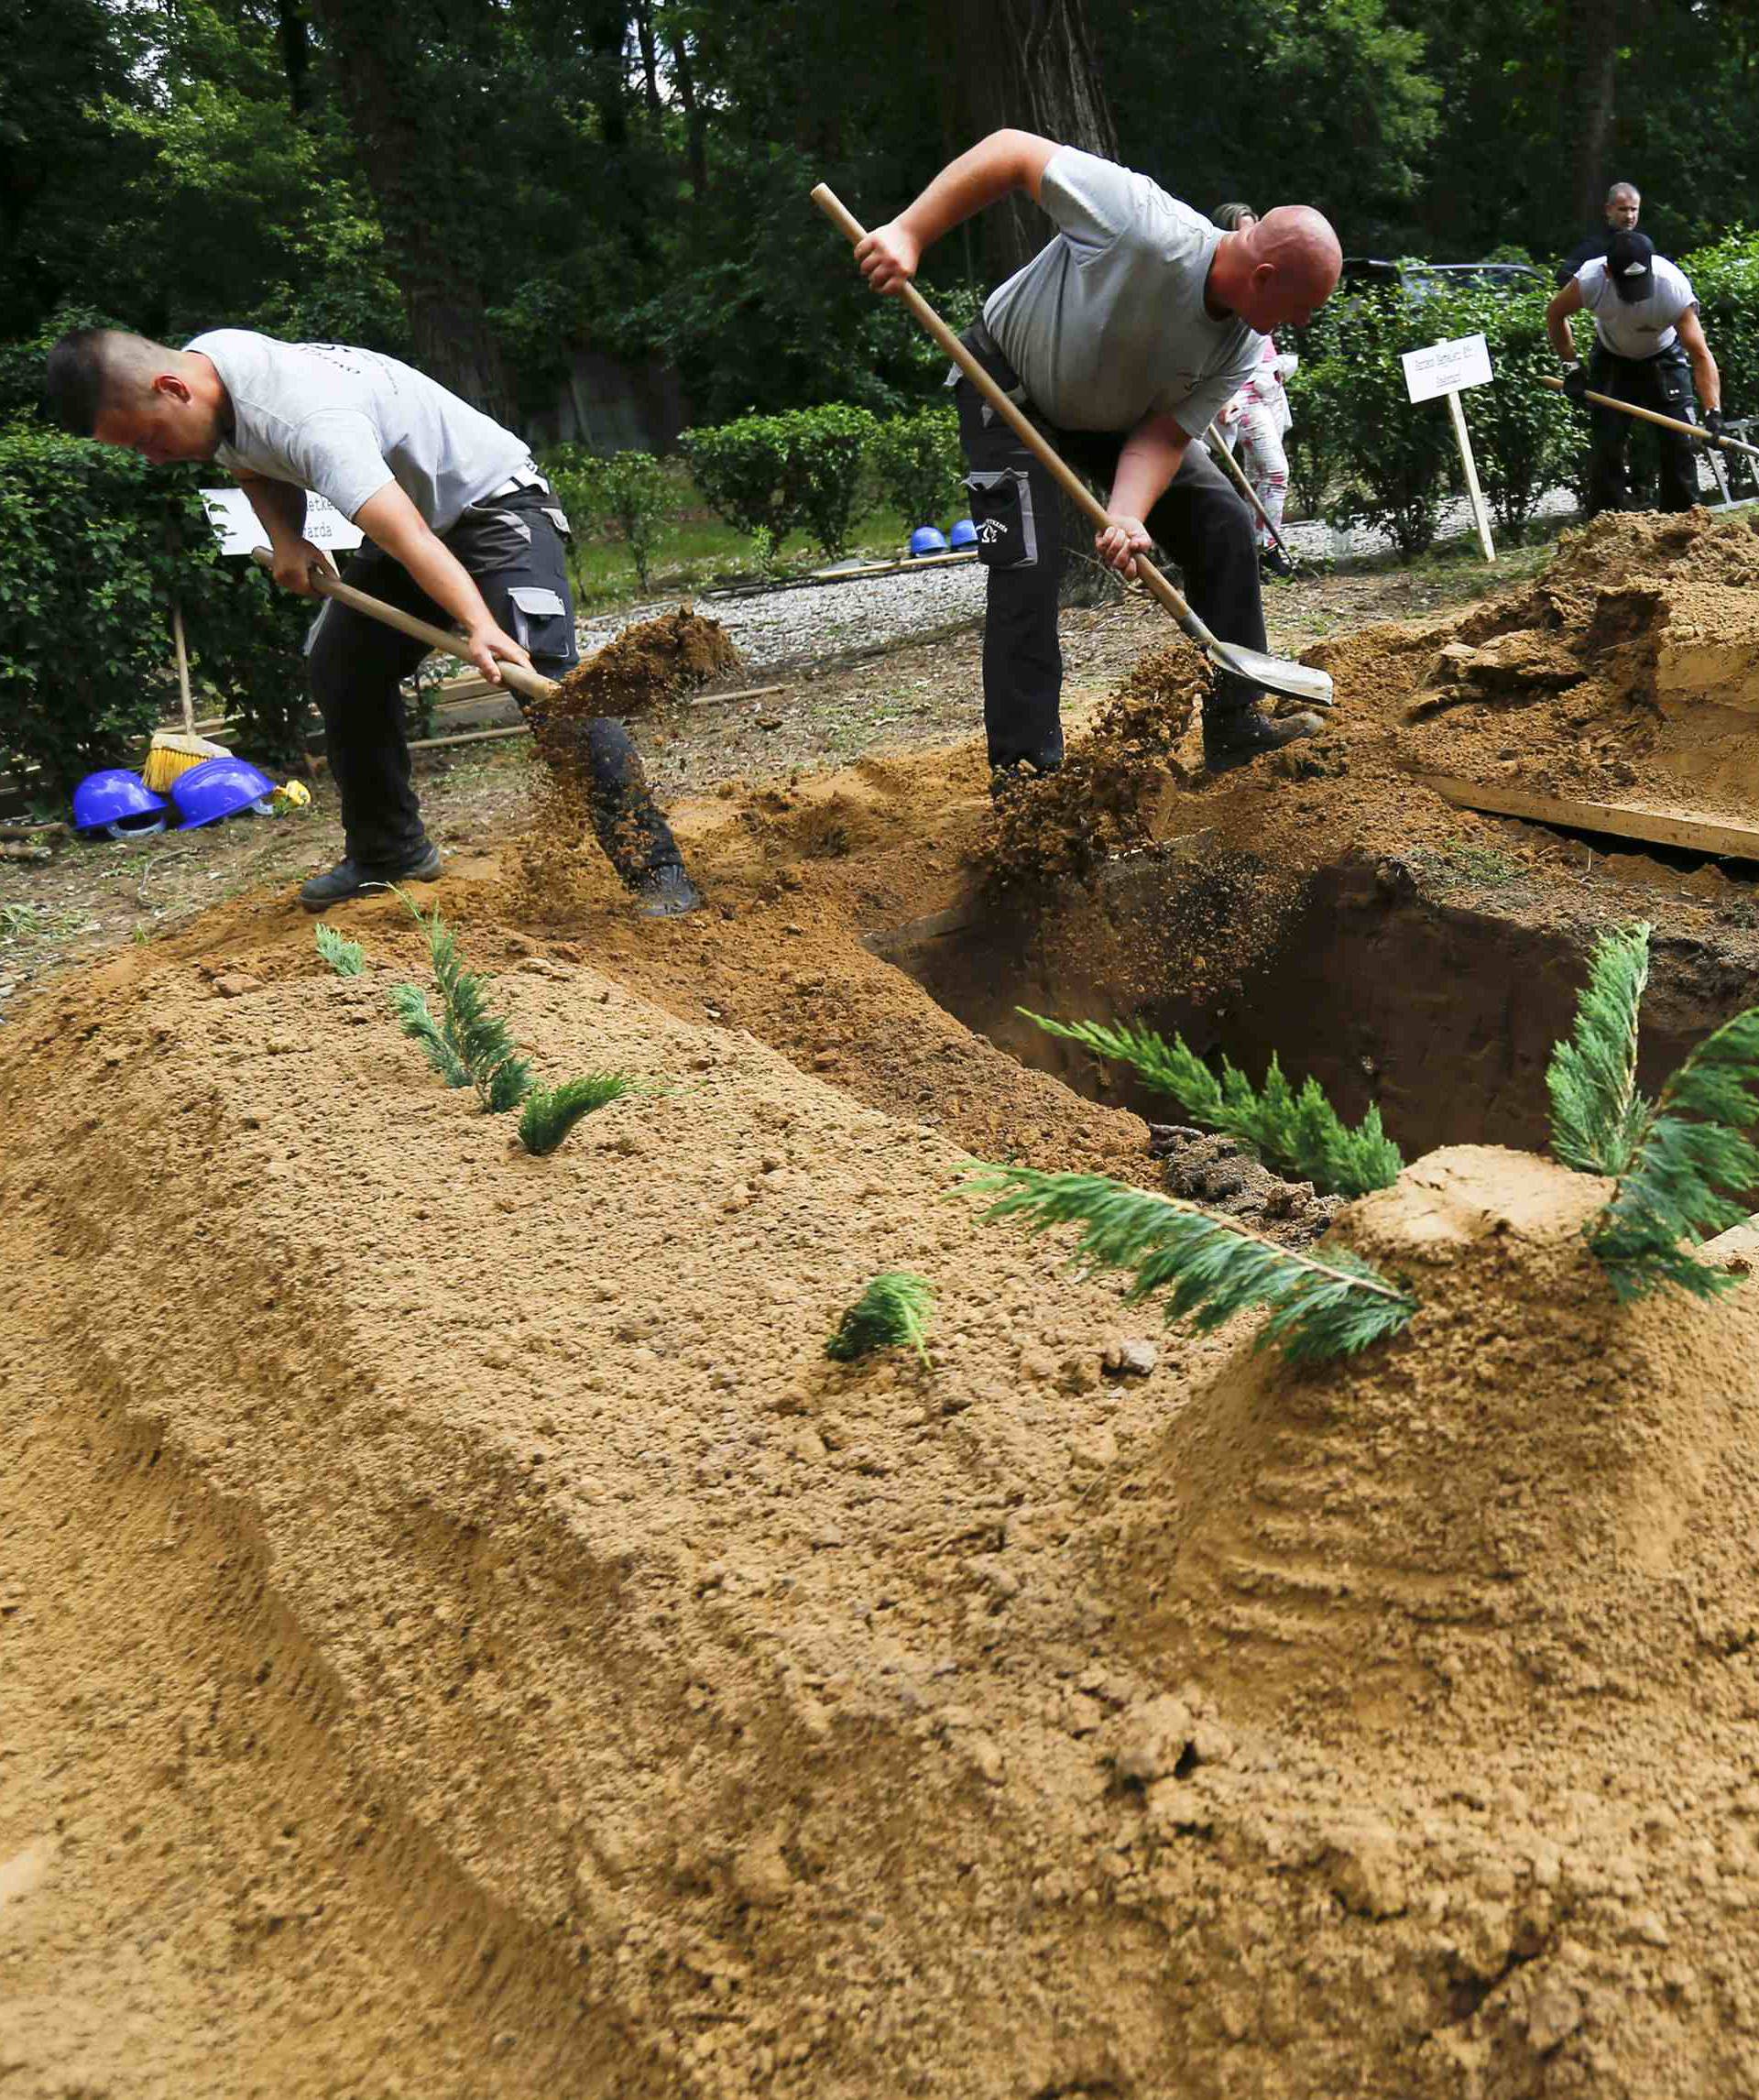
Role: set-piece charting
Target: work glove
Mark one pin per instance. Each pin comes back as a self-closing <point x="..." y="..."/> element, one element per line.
<point x="1716" y="421"/>
<point x="1576" y="384"/>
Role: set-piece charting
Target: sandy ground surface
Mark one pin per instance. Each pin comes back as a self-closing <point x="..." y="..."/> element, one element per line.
<point x="459" y="1635"/>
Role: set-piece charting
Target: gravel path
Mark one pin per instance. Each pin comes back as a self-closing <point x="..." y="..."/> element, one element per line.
<point x="810" y="623"/>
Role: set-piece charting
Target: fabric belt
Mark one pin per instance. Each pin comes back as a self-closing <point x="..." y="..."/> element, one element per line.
<point x="528" y="476"/>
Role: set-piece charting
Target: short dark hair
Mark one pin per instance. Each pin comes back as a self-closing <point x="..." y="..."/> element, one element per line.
<point x="76" y="383"/>
<point x="1228" y="216"/>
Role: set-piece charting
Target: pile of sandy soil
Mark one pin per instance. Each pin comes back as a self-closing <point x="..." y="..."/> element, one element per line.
<point x="459" y="1635"/>
<point x="647" y="665"/>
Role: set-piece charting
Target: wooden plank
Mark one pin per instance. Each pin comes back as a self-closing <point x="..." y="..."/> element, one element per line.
<point x="745" y="693"/>
<point x="1616" y="819"/>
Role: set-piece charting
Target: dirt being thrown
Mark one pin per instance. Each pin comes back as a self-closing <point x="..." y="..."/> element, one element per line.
<point x="648" y="666"/>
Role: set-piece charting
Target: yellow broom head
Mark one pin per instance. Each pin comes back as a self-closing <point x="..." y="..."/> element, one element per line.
<point x="171" y="753"/>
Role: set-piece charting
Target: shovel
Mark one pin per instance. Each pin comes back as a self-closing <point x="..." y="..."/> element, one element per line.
<point x="1220" y="446"/>
<point x="1655" y="416"/>
<point x="1291" y="681"/>
<point x="514" y="675"/>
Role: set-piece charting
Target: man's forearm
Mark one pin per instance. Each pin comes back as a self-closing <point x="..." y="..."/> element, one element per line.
<point x="1003" y="161"/>
<point x="445" y="578"/>
<point x="279" y="506"/>
<point x="1563" y="339"/>
<point x="1706" y="378"/>
<point x="1146" y="466"/>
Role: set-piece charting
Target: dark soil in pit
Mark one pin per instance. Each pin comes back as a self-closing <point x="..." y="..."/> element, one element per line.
<point x="1441" y="1014"/>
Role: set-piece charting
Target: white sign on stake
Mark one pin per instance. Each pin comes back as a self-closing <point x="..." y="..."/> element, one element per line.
<point x="1443" y="369"/>
<point x="239" y="530"/>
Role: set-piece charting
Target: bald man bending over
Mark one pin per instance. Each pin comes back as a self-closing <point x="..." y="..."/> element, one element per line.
<point x="1122" y="339"/>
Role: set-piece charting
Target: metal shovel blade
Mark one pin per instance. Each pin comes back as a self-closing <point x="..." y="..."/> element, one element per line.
<point x="1275" y="673"/>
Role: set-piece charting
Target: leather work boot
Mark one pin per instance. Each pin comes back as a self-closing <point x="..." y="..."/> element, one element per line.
<point x="353" y="879"/>
<point x="1236" y="729"/>
<point x="665" y="893"/>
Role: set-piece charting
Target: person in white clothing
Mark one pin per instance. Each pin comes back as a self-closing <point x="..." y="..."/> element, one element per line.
<point x="1649" y="348"/>
<point x="1252" y="423"/>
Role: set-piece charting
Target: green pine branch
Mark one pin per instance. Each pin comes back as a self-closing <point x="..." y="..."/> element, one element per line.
<point x="1298" y="1133"/>
<point x="1598" y="1117"/>
<point x="478" y="1038"/>
<point x="346" y="957"/>
<point x="409" y="1003"/>
<point x="551" y="1112"/>
<point x="892" y="1312"/>
<point x="1210" y="1268"/>
<point x="1689" y="1164"/>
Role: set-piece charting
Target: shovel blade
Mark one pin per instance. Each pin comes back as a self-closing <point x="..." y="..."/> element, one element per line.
<point x="1275" y="673"/>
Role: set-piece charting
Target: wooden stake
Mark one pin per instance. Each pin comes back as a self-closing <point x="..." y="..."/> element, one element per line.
<point x="1481" y="516"/>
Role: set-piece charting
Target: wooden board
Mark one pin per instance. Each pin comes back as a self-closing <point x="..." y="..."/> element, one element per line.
<point x="1617" y="819"/>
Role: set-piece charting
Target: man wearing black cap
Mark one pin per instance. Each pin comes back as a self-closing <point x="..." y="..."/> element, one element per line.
<point x="1649" y="347"/>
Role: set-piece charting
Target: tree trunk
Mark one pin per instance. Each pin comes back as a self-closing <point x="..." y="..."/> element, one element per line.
<point x="1592" y="46"/>
<point x="650" y="55"/>
<point x="295" y="36"/>
<point x="694" y="140"/>
<point x="1029" y="64"/>
<point x="398" y="113"/>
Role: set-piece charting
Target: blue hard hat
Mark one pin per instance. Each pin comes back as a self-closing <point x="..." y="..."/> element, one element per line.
<point x="220" y="787"/>
<point x="964" y="534"/>
<point x="928" y="539"/>
<point x="117" y="801"/>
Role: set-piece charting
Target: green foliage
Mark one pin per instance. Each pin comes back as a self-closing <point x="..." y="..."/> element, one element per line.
<point x="1209" y="1267"/>
<point x="918" y="466"/>
<point x="776" y="475"/>
<point x="892" y="1312"/>
<point x="551" y="1112"/>
<point x="346" y="957"/>
<point x="1526" y="438"/>
<point x="1725" y="276"/>
<point x="630" y="495"/>
<point x="1299" y="1134"/>
<point x="1689" y="1164"/>
<point x="1392" y="459"/>
<point x="471" y="1045"/>
<point x="95" y="546"/>
<point x="1596" y="1114"/>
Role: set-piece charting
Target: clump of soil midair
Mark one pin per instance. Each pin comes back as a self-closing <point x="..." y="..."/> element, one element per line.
<point x="647" y="666"/>
<point x="1064" y="826"/>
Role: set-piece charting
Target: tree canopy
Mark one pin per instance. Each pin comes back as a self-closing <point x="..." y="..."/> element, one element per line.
<point x="490" y="187"/>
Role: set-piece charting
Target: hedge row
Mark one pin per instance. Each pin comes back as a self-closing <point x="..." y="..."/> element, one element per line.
<point x="95" y="547"/>
<point x="819" y="470"/>
<point x="1361" y="454"/>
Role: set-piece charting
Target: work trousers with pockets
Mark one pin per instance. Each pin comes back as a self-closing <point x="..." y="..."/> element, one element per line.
<point x="1202" y="523"/>
<point x="511" y="546"/>
<point x="1663" y="383"/>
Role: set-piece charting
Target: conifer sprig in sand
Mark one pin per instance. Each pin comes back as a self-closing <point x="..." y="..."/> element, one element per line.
<point x="893" y="1311"/>
<point x="1208" y="1267"/>
<point x="346" y="957"/>
<point x="1688" y="1162"/>
<point x="470" y="1037"/>
<point x="551" y="1112"/>
<point x="1596" y="1114"/>
<point x="1295" y="1133"/>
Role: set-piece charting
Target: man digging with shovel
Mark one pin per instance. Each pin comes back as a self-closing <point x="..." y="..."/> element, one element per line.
<point x="460" y="523"/>
<point x="1122" y="339"/>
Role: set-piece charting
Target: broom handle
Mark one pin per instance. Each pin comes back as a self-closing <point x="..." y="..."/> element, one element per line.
<point x="183" y="667"/>
<point x="1653" y="416"/>
<point x="533" y="683"/>
<point x="1073" y="486"/>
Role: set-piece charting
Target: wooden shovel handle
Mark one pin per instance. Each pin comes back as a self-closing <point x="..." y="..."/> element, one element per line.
<point x="530" y="683"/>
<point x="1071" y="483"/>
<point x="1655" y="416"/>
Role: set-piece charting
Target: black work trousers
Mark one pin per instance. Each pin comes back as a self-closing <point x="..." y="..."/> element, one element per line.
<point x="1663" y="383"/>
<point x="1200" y="520"/>
<point x="512" y="548"/>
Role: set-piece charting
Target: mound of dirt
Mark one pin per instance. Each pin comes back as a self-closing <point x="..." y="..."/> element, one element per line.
<point x="1535" y="1487"/>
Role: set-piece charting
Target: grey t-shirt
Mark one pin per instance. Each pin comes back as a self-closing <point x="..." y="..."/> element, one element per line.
<point x="1640" y="327"/>
<point x="1107" y="324"/>
<point x="345" y="422"/>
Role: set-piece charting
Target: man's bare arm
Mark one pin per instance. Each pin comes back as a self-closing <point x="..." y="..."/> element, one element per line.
<point x="281" y="509"/>
<point x="391" y="521"/>
<point x="1568" y="301"/>
<point x="1005" y="160"/>
<point x="1151" y="454"/>
<point x="1705" y="376"/>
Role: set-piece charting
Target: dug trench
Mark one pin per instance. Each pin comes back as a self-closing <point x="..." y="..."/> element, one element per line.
<point x="460" y="1635"/>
